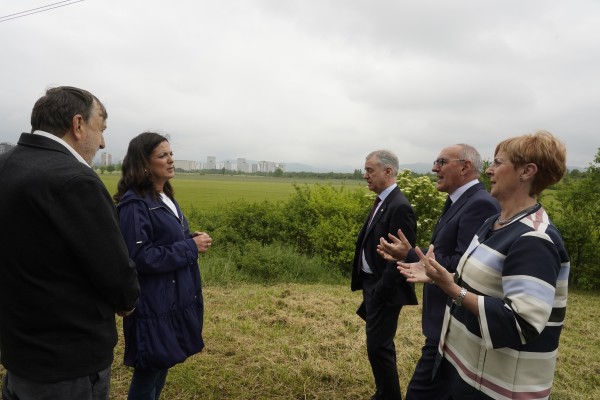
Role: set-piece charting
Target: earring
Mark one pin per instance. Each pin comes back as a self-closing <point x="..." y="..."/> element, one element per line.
<point x="521" y="178"/>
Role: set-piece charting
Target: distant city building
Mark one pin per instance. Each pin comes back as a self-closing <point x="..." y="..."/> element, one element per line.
<point x="186" y="165"/>
<point x="242" y="165"/>
<point x="211" y="162"/>
<point x="105" y="158"/>
<point x="239" y="165"/>
<point x="265" y="166"/>
<point x="270" y="166"/>
<point x="5" y="146"/>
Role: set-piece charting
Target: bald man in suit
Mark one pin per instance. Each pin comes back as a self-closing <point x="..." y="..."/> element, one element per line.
<point x="468" y="205"/>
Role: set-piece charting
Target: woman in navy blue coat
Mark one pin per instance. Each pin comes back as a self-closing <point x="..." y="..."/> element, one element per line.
<point x="166" y="326"/>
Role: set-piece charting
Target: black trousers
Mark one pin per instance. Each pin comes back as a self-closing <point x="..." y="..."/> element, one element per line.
<point x="424" y="386"/>
<point x="93" y="387"/>
<point x="460" y="390"/>
<point x="381" y="324"/>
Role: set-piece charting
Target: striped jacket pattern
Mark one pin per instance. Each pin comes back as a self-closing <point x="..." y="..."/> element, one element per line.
<point x="520" y="273"/>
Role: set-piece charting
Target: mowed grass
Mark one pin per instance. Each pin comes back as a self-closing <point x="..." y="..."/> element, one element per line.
<point x="207" y="192"/>
<point x="306" y="342"/>
<point x="294" y="341"/>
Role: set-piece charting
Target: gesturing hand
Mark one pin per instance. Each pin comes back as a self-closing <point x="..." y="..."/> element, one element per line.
<point x="395" y="249"/>
<point x="417" y="272"/>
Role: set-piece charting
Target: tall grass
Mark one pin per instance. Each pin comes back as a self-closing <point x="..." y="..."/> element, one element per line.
<point x="257" y="263"/>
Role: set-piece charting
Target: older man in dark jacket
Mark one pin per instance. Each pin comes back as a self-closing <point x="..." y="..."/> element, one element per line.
<point x="65" y="270"/>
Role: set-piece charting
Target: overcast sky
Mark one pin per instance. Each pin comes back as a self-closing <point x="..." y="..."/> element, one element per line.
<point x="318" y="82"/>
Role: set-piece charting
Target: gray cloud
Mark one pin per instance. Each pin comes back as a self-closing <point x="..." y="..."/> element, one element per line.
<point x="320" y="83"/>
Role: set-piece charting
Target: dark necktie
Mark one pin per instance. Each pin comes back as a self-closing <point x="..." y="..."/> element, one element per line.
<point x="375" y="203"/>
<point x="444" y="210"/>
<point x="446" y="206"/>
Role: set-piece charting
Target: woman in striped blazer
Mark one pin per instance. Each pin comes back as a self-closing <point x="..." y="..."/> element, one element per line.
<point x="508" y="297"/>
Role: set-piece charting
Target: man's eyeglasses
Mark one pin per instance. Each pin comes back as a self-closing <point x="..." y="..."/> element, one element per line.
<point x="440" y="162"/>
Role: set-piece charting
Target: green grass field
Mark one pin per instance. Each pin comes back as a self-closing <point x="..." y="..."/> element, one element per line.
<point x="209" y="191"/>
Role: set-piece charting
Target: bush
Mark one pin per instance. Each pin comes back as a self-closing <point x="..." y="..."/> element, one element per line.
<point x="309" y="238"/>
<point x="322" y="220"/>
<point x="575" y="210"/>
<point x="334" y="239"/>
<point x="425" y="199"/>
<point x="312" y="235"/>
<point x="242" y="221"/>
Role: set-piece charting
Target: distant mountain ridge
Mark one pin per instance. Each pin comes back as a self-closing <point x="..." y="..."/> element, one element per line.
<point x="420" y="168"/>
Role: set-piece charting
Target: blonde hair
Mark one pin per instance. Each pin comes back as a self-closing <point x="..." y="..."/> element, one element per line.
<point x="542" y="149"/>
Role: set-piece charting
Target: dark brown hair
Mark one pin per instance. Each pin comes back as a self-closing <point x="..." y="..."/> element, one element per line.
<point x="135" y="170"/>
<point x="54" y="112"/>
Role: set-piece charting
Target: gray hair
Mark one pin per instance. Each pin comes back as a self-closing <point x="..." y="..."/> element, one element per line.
<point x="385" y="159"/>
<point x="470" y="153"/>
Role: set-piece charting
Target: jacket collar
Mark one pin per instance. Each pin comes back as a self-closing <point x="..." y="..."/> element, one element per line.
<point x="150" y="201"/>
<point x="383" y="205"/>
<point x="63" y="143"/>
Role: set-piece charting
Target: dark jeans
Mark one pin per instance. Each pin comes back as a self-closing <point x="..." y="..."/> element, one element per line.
<point x="93" y="387"/>
<point x="147" y="385"/>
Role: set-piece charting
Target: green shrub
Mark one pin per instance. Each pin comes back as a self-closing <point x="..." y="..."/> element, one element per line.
<point x="334" y="239"/>
<point x="260" y="221"/>
<point x="425" y="199"/>
<point x="240" y="221"/>
<point x="308" y="238"/>
<point x="324" y="220"/>
<point x="575" y="209"/>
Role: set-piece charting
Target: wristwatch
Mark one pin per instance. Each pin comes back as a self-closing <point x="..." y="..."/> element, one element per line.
<point x="461" y="296"/>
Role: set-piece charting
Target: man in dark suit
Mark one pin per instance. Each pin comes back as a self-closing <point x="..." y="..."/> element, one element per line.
<point x="385" y="291"/>
<point x="65" y="269"/>
<point x="468" y="205"/>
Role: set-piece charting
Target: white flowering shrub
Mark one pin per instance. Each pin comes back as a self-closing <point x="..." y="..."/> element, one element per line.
<point x="425" y="199"/>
